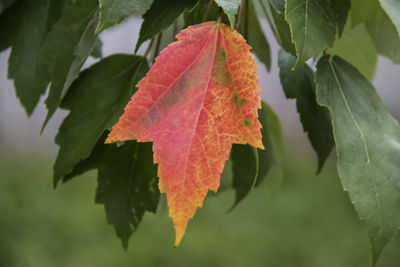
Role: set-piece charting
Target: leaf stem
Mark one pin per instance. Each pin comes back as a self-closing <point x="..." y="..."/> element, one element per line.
<point x="175" y="29"/>
<point x="246" y="19"/>
<point x="157" y="46"/>
<point x="269" y="21"/>
<point x="149" y="47"/>
<point x="219" y="15"/>
<point x="208" y="8"/>
<point x="239" y="16"/>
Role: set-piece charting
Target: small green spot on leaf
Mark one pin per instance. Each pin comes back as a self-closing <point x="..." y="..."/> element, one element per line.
<point x="246" y="123"/>
<point x="238" y="101"/>
<point x="221" y="55"/>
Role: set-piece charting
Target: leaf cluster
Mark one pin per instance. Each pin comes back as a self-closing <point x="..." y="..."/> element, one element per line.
<point x="338" y="106"/>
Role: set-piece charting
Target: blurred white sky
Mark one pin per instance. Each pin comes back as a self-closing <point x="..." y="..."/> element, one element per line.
<point x="21" y="135"/>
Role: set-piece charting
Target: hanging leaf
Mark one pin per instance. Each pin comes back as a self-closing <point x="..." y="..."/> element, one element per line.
<point x="254" y="34"/>
<point x="392" y="8"/>
<point x="114" y="11"/>
<point x="200" y="96"/>
<point x="245" y="167"/>
<point x="271" y="158"/>
<point x="380" y="27"/>
<point x="251" y="166"/>
<point x="127" y="183"/>
<point x="314" y="25"/>
<point x="160" y="16"/>
<point x="367" y="145"/>
<point x="66" y="49"/>
<point x="96" y="101"/>
<point x="357" y="48"/>
<point x="299" y="84"/>
<point x="31" y="21"/>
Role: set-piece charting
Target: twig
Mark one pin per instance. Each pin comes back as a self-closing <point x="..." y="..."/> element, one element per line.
<point x="157" y="46"/>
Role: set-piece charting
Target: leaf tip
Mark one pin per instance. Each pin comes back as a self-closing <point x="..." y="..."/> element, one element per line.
<point x="179" y="233"/>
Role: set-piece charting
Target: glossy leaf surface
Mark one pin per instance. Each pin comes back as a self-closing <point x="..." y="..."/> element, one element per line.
<point x="200" y="96"/>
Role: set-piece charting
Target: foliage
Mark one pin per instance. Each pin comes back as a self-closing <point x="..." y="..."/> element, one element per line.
<point x="209" y="73"/>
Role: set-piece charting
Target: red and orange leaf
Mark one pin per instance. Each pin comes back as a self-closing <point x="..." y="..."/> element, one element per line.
<point x="200" y="96"/>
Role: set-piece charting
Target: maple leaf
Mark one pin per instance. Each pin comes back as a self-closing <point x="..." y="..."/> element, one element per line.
<point x="200" y="96"/>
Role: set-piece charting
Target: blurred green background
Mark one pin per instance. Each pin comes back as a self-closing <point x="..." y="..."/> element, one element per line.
<point x="308" y="221"/>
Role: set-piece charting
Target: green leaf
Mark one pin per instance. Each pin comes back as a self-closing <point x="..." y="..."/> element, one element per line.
<point x="299" y="84"/>
<point x="29" y="20"/>
<point x="380" y="27"/>
<point x="272" y="156"/>
<point x="160" y="16"/>
<point x="114" y="11"/>
<point x="276" y="15"/>
<point x="314" y="25"/>
<point x="66" y="48"/>
<point x="367" y="145"/>
<point x="357" y="48"/>
<point x="127" y="183"/>
<point x="230" y="8"/>
<point x="96" y="52"/>
<point x="392" y="8"/>
<point x="248" y="166"/>
<point x="5" y="3"/>
<point x="255" y="37"/>
<point x="244" y="170"/>
<point x="205" y="10"/>
<point x="279" y="5"/>
<point x="96" y="101"/>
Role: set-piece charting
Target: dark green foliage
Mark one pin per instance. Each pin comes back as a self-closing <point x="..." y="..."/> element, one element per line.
<point x="272" y="156"/>
<point x="31" y="21"/>
<point x="275" y="11"/>
<point x="66" y="49"/>
<point x="367" y="145"/>
<point x="251" y="30"/>
<point x="114" y="11"/>
<point x="96" y="101"/>
<point x="251" y="166"/>
<point x="314" y="25"/>
<point x="127" y="184"/>
<point x="299" y="84"/>
<point x="160" y="16"/>
<point x="380" y="27"/>
<point x="244" y="170"/>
